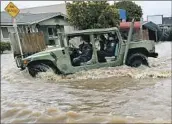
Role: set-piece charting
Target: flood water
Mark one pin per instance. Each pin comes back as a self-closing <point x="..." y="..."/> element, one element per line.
<point x="106" y="95"/>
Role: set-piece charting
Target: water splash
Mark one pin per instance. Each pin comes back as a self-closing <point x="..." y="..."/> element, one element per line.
<point x="160" y="68"/>
<point x="20" y="113"/>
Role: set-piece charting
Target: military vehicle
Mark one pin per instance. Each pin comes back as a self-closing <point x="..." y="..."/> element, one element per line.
<point x="131" y="53"/>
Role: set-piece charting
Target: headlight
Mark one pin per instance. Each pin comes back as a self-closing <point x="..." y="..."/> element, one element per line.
<point x="25" y="62"/>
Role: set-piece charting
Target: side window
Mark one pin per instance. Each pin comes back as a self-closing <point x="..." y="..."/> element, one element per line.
<point x="100" y="40"/>
<point x="50" y="31"/>
<point x="124" y="34"/>
<point x="80" y="49"/>
<point x="135" y="35"/>
<point x="5" y="32"/>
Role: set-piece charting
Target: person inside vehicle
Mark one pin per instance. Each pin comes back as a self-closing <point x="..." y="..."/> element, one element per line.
<point x="102" y="42"/>
<point x="85" y="51"/>
<point x="109" y="50"/>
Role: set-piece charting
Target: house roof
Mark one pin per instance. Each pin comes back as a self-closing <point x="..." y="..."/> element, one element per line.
<point x="28" y="18"/>
<point x="46" y="9"/>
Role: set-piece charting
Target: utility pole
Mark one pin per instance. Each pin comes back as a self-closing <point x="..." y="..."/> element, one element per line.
<point x="141" y="28"/>
<point x="17" y="36"/>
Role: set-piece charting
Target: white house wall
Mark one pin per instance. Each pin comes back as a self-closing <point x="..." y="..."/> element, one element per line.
<point x="68" y="28"/>
<point x="58" y="21"/>
<point x="10" y="29"/>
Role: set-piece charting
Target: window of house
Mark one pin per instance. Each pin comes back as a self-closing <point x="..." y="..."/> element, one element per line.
<point x="50" y="31"/>
<point x="51" y="42"/>
<point x="5" y="32"/>
<point x="55" y="32"/>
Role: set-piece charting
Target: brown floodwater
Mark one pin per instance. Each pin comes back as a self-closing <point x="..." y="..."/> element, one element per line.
<point x="106" y="95"/>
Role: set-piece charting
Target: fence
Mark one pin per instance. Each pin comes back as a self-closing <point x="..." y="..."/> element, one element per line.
<point x="30" y="42"/>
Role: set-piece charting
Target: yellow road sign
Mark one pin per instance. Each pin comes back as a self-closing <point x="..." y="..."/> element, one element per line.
<point x="12" y="10"/>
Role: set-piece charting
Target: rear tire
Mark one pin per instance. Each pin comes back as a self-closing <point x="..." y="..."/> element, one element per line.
<point x="137" y="59"/>
<point x="36" y="68"/>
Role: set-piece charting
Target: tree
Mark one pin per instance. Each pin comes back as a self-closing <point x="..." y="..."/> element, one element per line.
<point x="109" y="17"/>
<point x="4" y="46"/>
<point x="133" y="10"/>
<point x="91" y="14"/>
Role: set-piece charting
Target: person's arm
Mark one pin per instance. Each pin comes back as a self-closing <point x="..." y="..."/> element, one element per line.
<point x="87" y="52"/>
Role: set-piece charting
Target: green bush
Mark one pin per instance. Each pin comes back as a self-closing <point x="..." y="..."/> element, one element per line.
<point x="5" y="46"/>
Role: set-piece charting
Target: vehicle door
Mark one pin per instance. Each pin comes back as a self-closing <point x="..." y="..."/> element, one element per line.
<point x="104" y="58"/>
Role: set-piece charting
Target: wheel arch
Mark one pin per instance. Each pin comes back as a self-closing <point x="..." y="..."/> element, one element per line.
<point x="142" y="50"/>
<point x="137" y="53"/>
<point x="47" y="62"/>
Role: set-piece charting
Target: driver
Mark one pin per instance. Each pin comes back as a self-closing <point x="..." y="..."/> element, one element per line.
<point x="85" y="51"/>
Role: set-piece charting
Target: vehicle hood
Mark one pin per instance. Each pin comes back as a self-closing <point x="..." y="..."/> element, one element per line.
<point x="43" y="53"/>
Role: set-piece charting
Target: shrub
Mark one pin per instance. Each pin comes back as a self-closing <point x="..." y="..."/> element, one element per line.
<point x="5" y="46"/>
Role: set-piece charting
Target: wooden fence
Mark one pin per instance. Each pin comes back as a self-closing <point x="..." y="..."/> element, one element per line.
<point x="30" y="42"/>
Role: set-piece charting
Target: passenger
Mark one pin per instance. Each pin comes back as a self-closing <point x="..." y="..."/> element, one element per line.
<point x="102" y="42"/>
<point x="85" y="52"/>
<point x="109" y="50"/>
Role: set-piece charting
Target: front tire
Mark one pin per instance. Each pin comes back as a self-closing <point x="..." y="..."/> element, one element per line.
<point x="36" y="68"/>
<point x="137" y="59"/>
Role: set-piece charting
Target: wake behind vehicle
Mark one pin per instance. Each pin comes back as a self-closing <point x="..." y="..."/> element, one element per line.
<point x="131" y="53"/>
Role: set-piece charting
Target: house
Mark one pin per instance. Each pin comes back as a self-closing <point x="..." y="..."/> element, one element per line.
<point x="49" y="23"/>
<point x="34" y="14"/>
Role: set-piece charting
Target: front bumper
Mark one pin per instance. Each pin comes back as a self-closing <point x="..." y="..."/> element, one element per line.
<point x="155" y="55"/>
<point x="19" y="62"/>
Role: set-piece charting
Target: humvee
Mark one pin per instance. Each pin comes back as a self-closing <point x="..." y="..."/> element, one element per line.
<point x="131" y="53"/>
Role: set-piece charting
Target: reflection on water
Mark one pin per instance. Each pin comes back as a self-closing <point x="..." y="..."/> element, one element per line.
<point x="120" y="94"/>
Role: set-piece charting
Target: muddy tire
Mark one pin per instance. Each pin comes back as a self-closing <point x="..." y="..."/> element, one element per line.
<point x="36" y="68"/>
<point x="137" y="59"/>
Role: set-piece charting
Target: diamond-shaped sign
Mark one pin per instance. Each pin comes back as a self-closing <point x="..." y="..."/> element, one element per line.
<point x="12" y="10"/>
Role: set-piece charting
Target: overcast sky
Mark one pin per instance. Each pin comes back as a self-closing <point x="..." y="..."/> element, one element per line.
<point x="149" y="7"/>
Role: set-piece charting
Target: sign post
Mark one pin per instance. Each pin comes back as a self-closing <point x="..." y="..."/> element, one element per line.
<point x="13" y="11"/>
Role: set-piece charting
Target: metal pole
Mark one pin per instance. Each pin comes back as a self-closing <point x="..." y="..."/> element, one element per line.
<point x="17" y="34"/>
<point x="141" y="28"/>
<point x="128" y="40"/>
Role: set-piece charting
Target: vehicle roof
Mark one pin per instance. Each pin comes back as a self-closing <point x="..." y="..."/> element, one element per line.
<point x="90" y="31"/>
